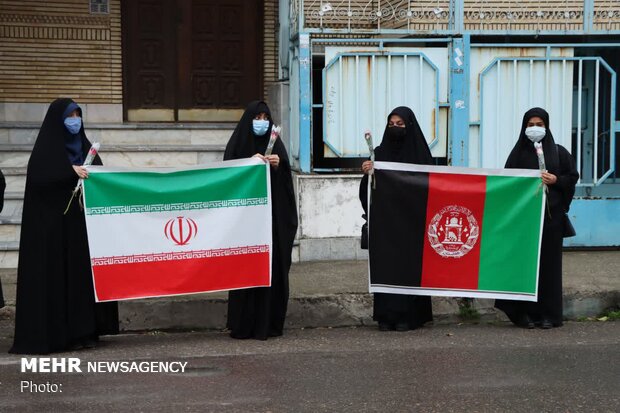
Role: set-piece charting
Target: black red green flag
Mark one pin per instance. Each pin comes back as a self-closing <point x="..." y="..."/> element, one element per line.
<point x="461" y="232"/>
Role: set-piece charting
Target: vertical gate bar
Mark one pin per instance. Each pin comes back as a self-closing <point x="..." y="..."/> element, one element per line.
<point x="547" y="80"/>
<point x="357" y="106"/>
<point x="596" y="93"/>
<point x="305" y="103"/>
<point x="612" y="127"/>
<point x="514" y="95"/>
<point x="579" y="109"/>
<point x="389" y="82"/>
<point x="497" y="116"/>
<point x="529" y="98"/>
<point x="458" y="98"/>
<point x="340" y="116"/>
<point x="405" y="85"/>
<point x="420" y="81"/>
<point x="373" y="90"/>
<point x="562" y="130"/>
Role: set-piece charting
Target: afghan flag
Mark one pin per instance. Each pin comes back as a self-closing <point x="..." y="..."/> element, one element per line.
<point x="159" y="232"/>
<point x="461" y="232"/>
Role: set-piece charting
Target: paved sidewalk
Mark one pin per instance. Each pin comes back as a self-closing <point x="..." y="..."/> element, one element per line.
<point x="335" y="294"/>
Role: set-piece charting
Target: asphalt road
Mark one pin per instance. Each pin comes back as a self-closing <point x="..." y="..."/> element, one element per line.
<point x="445" y="368"/>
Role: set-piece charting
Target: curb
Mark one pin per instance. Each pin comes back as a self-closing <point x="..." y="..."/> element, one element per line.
<point x="336" y="310"/>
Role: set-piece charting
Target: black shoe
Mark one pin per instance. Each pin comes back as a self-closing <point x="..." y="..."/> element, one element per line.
<point x="402" y="326"/>
<point x="526" y="322"/>
<point x="384" y="326"/>
<point x="546" y="324"/>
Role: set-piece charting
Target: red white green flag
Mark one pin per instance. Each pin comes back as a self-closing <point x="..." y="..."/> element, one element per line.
<point x="162" y="231"/>
<point x="461" y="232"/>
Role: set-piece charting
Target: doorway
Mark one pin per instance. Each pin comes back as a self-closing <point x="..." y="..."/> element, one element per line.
<point x="191" y="61"/>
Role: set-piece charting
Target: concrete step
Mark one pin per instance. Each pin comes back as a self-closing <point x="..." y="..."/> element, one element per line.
<point x="9" y="254"/>
<point x="14" y="158"/>
<point x="335" y="293"/>
<point x="13" y="205"/>
<point x="15" y="178"/>
<point x="130" y="133"/>
<point x="9" y="232"/>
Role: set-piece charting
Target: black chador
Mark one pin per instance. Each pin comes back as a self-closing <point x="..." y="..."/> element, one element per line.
<point x="55" y="309"/>
<point x="558" y="161"/>
<point x="392" y="310"/>
<point x="260" y="312"/>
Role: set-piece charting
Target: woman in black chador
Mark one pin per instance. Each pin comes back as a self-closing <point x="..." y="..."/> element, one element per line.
<point x="260" y="312"/>
<point x="403" y="141"/>
<point x="55" y="309"/>
<point x="560" y="177"/>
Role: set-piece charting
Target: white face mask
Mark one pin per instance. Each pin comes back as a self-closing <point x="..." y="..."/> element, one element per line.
<point x="535" y="133"/>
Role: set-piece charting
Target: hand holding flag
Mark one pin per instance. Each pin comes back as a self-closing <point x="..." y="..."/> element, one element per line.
<point x="90" y="157"/>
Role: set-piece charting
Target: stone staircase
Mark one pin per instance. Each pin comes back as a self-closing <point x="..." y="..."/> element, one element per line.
<point x="138" y="145"/>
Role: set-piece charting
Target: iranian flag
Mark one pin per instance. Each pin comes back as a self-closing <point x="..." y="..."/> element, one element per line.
<point x="159" y="232"/>
<point x="460" y="232"/>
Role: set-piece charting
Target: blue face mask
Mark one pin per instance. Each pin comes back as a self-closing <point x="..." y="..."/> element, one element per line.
<point x="73" y="124"/>
<point x="260" y="126"/>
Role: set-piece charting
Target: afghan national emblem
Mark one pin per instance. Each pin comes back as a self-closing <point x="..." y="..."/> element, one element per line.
<point x="453" y="231"/>
<point x="180" y="230"/>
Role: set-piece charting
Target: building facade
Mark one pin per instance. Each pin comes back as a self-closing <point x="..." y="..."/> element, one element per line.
<point x="162" y="83"/>
<point x="469" y="70"/>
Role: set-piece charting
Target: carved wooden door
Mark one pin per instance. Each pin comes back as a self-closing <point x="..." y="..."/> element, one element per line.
<point x="197" y="60"/>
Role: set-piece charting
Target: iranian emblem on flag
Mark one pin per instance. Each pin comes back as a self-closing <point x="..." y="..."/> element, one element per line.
<point x="161" y="231"/>
<point x="181" y="230"/>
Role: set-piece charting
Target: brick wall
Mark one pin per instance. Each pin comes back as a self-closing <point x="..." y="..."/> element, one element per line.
<point x="58" y="48"/>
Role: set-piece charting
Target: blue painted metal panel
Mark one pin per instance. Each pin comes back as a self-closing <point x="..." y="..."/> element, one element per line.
<point x="360" y="88"/>
<point x="511" y="85"/>
<point x="596" y="223"/>
<point x="547" y="75"/>
<point x="595" y="219"/>
<point x="459" y="99"/>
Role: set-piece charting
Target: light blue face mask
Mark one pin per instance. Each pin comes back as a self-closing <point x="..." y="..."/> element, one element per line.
<point x="259" y="126"/>
<point x="73" y="124"/>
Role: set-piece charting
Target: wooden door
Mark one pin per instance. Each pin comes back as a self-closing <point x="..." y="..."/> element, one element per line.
<point x="149" y="51"/>
<point x="192" y="60"/>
